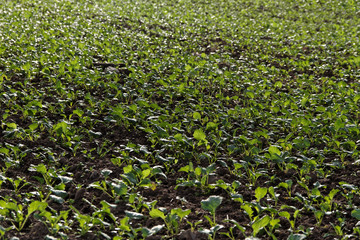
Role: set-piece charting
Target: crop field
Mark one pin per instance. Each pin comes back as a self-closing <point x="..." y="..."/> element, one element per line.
<point x="179" y="119"/>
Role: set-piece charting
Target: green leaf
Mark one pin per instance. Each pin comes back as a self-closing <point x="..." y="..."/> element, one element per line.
<point x="33" y="126"/>
<point x="273" y="150"/>
<point x="65" y="179"/>
<point x="131" y="178"/>
<point x="36" y="104"/>
<point x="106" y="172"/>
<point x="127" y="169"/>
<point x="198" y="171"/>
<point x="156" y="228"/>
<point x="124" y="224"/>
<point x="41" y="168"/>
<point x="199" y="135"/>
<point x="216" y="228"/>
<point x="179" y="137"/>
<point x="60" y="193"/>
<point x="260" y="224"/>
<point x="145" y="173"/>
<point x="61" y="128"/>
<point x="149" y="232"/>
<point x="11" y="206"/>
<point x="289" y="182"/>
<point x="319" y="215"/>
<point x="304" y="100"/>
<point x="271" y="190"/>
<point x="237" y="225"/>
<point x="248" y="210"/>
<point x="78" y="112"/>
<point x="260" y="193"/>
<point x="197" y="116"/>
<point x="181" y="213"/>
<point x="356" y="98"/>
<point x="339" y="124"/>
<point x="185" y="169"/>
<point x="211" y="203"/>
<point x="296" y="236"/>
<point x="4" y="151"/>
<point x="284" y="185"/>
<point x="250" y="94"/>
<point x="315" y="192"/>
<point x="211" y="126"/>
<point x="278" y="84"/>
<point x="155" y="213"/>
<point x="356" y="213"/>
<point x="333" y="192"/>
<point x="56" y="199"/>
<point x="120" y="188"/>
<point x="161" y="132"/>
<point x="26" y="66"/>
<point x="134" y="215"/>
<point x="11" y="125"/>
<point x="285" y="215"/>
<point x="274" y="222"/>
<point x="36" y="205"/>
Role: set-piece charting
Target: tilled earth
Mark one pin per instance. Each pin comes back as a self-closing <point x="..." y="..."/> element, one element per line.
<point x="90" y="105"/>
<point x="85" y="171"/>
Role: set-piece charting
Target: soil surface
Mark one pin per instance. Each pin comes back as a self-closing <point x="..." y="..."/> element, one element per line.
<point x="109" y="137"/>
<point x="85" y="171"/>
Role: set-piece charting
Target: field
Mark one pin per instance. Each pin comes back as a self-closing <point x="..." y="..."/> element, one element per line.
<point x="179" y="119"/>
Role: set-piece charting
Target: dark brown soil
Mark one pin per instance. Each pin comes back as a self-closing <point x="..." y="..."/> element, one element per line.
<point x="85" y="167"/>
<point x="85" y="172"/>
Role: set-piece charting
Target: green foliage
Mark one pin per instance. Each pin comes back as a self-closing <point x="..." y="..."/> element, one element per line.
<point x="256" y="101"/>
<point x="172" y="220"/>
<point x="211" y="204"/>
<point x="259" y="224"/>
<point x="260" y="193"/>
<point x="356" y="214"/>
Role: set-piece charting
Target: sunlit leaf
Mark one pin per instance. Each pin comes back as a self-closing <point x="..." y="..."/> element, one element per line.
<point x="156" y="213"/>
<point x="259" y="224"/>
<point x="36" y="205"/>
<point x="199" y="135"/>
<point x="273" y="150"/>
<point x="260" y="193"/>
